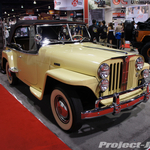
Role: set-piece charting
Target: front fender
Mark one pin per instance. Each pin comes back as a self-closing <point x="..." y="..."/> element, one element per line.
<point x="70" y="78"/>
<point x="10" y="57"/>
<point x="73" y="78"/>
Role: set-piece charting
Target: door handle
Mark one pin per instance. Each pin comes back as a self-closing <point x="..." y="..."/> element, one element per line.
<point x="20" y="56"/>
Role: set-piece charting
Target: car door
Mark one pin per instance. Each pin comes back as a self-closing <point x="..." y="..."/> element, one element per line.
<point x="26" y="60"/>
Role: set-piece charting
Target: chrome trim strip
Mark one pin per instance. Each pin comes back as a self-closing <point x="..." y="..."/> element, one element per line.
<point x="117" y="106"/>
<point x="106" y="49"/>
<point x="124" y="92"/>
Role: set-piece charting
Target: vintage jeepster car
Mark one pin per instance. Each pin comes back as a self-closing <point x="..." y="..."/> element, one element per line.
<point x="84" y="79"/>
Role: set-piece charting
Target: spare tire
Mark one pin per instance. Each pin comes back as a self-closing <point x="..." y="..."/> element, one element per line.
<point x="128" y="30"/>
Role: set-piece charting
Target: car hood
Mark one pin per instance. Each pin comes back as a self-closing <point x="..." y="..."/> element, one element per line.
<point x="81" y="57"/>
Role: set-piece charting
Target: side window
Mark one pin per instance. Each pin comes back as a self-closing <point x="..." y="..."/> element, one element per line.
<point x="32" y="42"/>
<point x="24" y="39"/>
<point x="21" y="38"/>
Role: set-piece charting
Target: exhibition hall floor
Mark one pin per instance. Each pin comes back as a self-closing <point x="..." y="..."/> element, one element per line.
<point x="131" y="126"/>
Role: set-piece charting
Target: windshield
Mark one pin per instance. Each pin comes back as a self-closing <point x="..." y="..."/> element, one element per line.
<point x="61" y="33"/>
<point x="79" y="32"/>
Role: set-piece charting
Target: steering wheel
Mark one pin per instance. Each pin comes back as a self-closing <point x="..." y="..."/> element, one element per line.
<point x="76" y="37"/>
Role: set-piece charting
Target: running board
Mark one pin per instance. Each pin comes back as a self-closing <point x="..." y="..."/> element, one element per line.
<point x="36" y="93"/>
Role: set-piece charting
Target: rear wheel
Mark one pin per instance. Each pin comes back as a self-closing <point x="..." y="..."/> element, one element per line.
<point x="12" y="79"/>
<point x="145" y="51"/>
<point x="66" y="108"/>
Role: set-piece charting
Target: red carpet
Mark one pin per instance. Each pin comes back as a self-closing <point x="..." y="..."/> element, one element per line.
<point x="20" y="130"/>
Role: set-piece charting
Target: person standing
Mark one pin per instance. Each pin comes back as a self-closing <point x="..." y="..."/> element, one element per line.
<point x="110" y="32"/>
<point x="122" y="37"/>
<point x="99" y="25"/>
<point x="118" y="34"/>
<point x="94" y="31"/>
<point x="103" y="33"/>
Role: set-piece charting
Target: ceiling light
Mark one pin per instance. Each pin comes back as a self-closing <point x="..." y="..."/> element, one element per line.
<point x="49" y="7"/>
<point x="13" y="15"/>
<point x="21" y="6"/>
<point x="34" y="2"/>
<point x="8" y="14"/>
<point x="12" y="9"/>
<point x="5" y="12"/>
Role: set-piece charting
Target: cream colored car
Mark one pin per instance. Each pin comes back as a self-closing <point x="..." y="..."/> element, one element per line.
<point x="84" y="79"/>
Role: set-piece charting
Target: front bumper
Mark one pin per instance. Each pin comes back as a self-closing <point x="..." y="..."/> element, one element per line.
<point x="117" y="106"/>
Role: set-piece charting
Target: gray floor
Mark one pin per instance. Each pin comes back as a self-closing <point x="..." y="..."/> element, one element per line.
<point x="130" y="126"/>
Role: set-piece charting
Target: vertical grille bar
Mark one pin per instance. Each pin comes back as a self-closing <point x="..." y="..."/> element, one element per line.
<point x="115" y="76"/>
<point x="112" y="74"/>
<point x="118" y="76"/>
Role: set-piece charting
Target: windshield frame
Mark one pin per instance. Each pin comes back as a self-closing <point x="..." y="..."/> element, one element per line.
<point x="58" y="41"/>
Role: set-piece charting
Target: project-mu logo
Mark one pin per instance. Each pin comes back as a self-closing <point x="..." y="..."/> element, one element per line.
<point x="123" y="145"/>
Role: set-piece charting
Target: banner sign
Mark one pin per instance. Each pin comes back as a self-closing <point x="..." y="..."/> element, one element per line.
<point x="138" y="13"/>
<point x="68" y="4"/>
<point x="125" y="3"/>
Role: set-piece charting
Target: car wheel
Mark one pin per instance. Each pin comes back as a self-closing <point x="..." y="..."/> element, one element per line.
<point x="12" y="79"/>
<point x="66" y="108"/>
<point x="145" y="51"/>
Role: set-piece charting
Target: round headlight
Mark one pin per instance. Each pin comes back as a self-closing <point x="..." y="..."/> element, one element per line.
<point x="139" y="63"/>
<point x="145" y="73"/>
<point x="103" y="71"/>
<point x="104" y="85"/>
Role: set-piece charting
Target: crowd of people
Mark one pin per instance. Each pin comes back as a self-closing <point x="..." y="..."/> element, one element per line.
<point x="107" y="34"/>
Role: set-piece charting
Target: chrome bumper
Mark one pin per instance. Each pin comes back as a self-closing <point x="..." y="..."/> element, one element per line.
<point x="117" y="106"/>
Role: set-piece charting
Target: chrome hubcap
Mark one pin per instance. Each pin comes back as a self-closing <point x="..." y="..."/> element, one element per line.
<point x="61" y="109"/>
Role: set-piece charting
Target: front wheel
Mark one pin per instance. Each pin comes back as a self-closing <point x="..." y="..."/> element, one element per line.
<point x="145" y="51"/>
<point x="12" y="79"/>
<point x="66" y="108"/>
